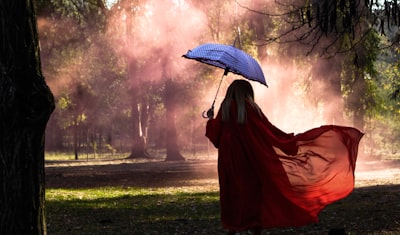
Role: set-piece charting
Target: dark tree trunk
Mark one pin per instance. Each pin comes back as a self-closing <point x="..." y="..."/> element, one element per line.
<point x="25" y="107"/>
<point x="173" y="153"/>
<point x="75" y="140"/>
<point x="328" y="70"/>
<point x="357" y="98"/>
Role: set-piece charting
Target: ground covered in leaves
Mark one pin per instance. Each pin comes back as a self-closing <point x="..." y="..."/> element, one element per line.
<point x="185" y="199"/>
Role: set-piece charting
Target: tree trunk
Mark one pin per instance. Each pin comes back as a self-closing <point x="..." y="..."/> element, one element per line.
<point x="173" y="153"/>
<point x="328" y="70"/>
<point x="138" y="140"/>
<point x="357" y="97"/>
<point x="75" y="140"/>
<point x="25" y="107"/>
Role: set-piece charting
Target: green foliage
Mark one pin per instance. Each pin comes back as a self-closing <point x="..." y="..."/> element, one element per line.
<point x="383" y="111"/>
<point x="371" y="51"/>
<point x="64" y="103"/>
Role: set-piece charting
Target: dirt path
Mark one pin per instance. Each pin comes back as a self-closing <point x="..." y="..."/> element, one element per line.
<point x="158" y="173"/>
<point x="84" y="174"/>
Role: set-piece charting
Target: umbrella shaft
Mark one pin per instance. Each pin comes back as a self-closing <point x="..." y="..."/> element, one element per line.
<point x="219" y="86"/>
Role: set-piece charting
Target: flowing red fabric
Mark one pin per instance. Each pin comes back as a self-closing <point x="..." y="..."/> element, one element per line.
<point x="269" y="178"/>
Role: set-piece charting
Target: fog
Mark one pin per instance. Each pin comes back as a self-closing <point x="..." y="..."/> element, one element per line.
<point x="157" y="34"/>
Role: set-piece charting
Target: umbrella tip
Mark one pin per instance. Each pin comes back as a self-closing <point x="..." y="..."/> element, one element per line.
<point x="237" y="39"/>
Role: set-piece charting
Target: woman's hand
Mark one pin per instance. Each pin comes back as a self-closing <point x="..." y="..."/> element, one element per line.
<point x="210" y="113"/>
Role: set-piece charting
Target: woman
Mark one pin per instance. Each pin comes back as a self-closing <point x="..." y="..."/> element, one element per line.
<point x="269" y="178"/>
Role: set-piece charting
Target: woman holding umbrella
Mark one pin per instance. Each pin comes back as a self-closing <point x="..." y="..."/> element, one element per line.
<point x="269" y="178"/>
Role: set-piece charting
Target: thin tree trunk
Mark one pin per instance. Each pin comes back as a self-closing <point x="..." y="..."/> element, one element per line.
<point x="75" y="140"/>
<point x="25" y="107"/>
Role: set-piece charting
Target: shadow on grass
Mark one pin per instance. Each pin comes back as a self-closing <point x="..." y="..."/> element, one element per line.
<point x="181" y="213"/>
<point x="368" y="210"/>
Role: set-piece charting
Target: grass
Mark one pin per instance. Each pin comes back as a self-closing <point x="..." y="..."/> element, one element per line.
<point x="61" y="156"/>
<point x="372" y="209"/>
<point x="189" y="210"/>
<point x="154" y="153"/>
<point x="115" y="210"/>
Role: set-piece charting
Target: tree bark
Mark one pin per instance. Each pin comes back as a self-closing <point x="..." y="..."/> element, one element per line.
<point x="25" y="107"/>
<point x="173" y="153"/>
<point x="357" y="98"/>
<point x="138" y="140"/>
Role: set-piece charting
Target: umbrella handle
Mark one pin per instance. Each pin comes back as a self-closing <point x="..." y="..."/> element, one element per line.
<point x="203" y="114"/>
<point x="209" y="114"/>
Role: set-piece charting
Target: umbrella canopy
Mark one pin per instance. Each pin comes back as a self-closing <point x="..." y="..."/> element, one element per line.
<point x="229" y="58"/>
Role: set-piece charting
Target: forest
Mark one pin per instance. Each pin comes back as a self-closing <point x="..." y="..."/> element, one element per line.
<point x="97" y="77"/>
<point x="121" y="84"/>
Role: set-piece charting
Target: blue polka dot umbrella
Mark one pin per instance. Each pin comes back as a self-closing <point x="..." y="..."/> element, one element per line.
<point x="229" y="58"/>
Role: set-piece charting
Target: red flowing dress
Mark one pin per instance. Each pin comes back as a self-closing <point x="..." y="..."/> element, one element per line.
<point x="269" y="178"/>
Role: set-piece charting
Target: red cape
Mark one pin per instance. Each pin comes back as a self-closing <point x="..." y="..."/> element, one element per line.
<point x="269" y="178"/>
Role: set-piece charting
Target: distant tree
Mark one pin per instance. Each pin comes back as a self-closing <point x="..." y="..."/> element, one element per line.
<point x="329" y="27"/>
<point x="139" y="120"/>
<point x="26" y="104"/>
<point x="152" y="75"/>
<point x="343" y="33"/>
<point x="171" y="101"/>
<point x="81" y="65"/>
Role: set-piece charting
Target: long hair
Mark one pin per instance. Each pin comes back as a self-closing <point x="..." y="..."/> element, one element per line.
<point x="240" y="91"/>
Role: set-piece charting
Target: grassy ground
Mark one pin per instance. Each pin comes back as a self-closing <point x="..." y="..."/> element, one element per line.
<point x="132" y="211"/>
<point x="372" y="210"/>
<point x="131" y="197"/>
